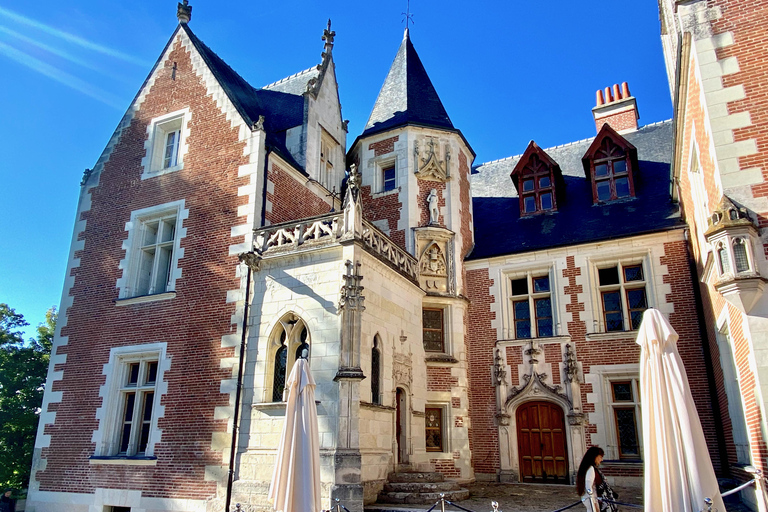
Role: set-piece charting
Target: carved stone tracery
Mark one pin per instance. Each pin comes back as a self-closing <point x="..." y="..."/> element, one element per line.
<point x="429" y="165"/>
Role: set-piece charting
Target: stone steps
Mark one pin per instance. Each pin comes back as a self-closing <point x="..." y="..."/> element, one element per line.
<point x="407" y="486"/>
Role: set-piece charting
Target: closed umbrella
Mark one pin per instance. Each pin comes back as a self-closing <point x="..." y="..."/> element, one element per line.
<point x="296" y="481"/>
<point x="678" y="470"/>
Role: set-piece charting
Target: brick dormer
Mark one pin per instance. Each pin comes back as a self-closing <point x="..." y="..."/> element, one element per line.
<point x="538" y="180"/>
<point x="611" y="164"/>
<point x="617" y="107"/>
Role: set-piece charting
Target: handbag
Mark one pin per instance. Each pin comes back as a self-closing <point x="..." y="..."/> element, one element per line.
<point x="606" y="491"/>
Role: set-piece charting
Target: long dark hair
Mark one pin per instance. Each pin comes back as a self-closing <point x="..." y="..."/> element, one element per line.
<point x="587" y="462"/>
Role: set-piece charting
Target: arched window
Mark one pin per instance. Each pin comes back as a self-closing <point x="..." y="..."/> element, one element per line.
<point x="376" y="372"/>
<point x="740" y="259"/>
<point x="725" y="262"/>
<point x="289" y="339"/>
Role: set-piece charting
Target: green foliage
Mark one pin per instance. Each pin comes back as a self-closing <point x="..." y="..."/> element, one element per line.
<point x="23" y="368"/>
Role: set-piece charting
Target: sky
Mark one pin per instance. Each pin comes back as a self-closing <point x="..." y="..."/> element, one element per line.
<point x="507" y="72"/>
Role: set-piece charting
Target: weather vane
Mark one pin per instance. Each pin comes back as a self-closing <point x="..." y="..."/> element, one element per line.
<point x="407" y="16"/>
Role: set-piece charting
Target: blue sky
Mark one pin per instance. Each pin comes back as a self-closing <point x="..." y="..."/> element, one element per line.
<point x="507" y="72"/>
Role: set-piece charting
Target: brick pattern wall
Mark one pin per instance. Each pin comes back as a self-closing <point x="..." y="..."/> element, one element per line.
<point x="440" y="379"/>
<point x="481" y="337"/>
<point x="425" y="187"/>
<point x="291" y="200"/>
<point x="446" y="467"/>
<point x="383" y="147"/>
<point x="192" y="324"/>
<point x="626" y="120"/>
<point x="465" y="211"/>
<point x="387" y="206"/>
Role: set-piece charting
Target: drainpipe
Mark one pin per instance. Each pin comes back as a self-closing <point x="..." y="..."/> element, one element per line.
<point x="238" y="393"/>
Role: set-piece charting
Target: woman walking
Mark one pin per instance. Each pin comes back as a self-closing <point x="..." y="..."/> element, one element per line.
<point x="590" y="478"/>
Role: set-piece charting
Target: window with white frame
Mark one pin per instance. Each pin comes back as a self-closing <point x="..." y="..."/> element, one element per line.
<point x="733" y="393"/>
<point x="152" y="251"/>
<point x="623" y="296"/>
<point x="329" y="153"/>
<point x="131" y="402"/>
<point x="433" y="329"/>
<point x="698" y="194"/>
<point x="625" y="407"/>
<point x="166" y="143"/>
<point x="531" y="305"/>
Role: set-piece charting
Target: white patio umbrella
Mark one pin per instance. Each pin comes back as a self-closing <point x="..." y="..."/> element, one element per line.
<point x="678" y="470"/>
<point x="296" y="481"/>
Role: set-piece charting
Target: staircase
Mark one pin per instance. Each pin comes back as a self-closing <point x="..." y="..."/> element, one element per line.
<point x="409" y="486"/>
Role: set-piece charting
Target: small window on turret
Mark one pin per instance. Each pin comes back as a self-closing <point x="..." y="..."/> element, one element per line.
<point x="388" y="178"/>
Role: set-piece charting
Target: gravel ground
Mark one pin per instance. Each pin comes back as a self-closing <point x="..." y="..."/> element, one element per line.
<point x="528" y="498"/>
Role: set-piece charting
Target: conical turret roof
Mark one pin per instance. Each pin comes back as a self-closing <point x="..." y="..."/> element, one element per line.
<point x="407" y="96"/>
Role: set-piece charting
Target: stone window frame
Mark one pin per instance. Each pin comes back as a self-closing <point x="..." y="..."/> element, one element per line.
<point x="604" y="407"/>
<point x="446" y="313"/>
<point x="380" y="164"/>
<point x="620" y="261"/>
<point x="445" y="427"/>
<point x="377" y="353"/>
<point x="329" y="153"/>
<point x="510" y="274"/>
<point x="288" y="323"/>
<point x="698" y="192"/>
<point x="633" y="405"/>
<point x="107" y="436"/>
<point x="155" y="144"/>
<point x="135" y="227"/>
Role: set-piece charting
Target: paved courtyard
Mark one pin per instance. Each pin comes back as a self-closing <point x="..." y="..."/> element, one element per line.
<point x="527" y="498"/>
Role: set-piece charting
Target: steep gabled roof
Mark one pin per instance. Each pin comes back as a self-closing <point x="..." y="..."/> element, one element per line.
<point x="407" y="96"/>
<point x="281" y="110"/>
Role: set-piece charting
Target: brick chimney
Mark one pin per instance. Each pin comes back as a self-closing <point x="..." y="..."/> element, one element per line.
<point x="617" y="107"/>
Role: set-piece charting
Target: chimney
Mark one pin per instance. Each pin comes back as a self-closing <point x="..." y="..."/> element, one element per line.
<point x="617" y="107"/>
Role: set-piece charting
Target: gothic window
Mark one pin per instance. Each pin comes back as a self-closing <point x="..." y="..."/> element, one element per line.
<point x="626" y="413"/>
<point x="611" y="176"/>
<point x="723" y="259"/>
<point x="289" y="339"/>
<point x="623" y="296"/>
<point x="376" y="372"/>
<point x="536" y="187"/>
<point x="531" y="300"/>
<point x="433" y="331"/>
<point x="740" y="259"/>
<point x="433" y="429"/>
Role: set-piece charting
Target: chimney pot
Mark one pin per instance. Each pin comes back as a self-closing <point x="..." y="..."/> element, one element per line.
<point x="625" y="90"/>
<point x="616" y="92"/>
<point x="599" y="98"/>
<point x="608" y="97"/>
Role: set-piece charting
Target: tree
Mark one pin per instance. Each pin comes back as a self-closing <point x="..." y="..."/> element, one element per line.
<point x="23" y="368"/>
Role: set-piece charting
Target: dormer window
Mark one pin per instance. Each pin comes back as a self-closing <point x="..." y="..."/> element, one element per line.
<point x="535" y="177"/>
<point x="609" y="163"/>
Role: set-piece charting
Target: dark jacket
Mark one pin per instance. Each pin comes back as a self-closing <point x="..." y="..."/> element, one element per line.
<point x="7" y="504"/>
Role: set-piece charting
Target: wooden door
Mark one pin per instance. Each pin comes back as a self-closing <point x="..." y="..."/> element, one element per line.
<point x="541" y="443"/>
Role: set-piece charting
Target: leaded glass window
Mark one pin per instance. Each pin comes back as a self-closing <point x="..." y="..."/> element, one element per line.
<point x="531" y="306"/>
<point x="623" y="296"/>
<point x="433" y="429"/>
<point x="375" y="372"/>
<point x="626" y="411"/>
<point x="740" y="260"/>
<point x="434" y="339"/>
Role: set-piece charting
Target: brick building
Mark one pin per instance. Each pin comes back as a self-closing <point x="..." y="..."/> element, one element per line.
<point x="475" y="321"/>
<point x="715" y="52"/>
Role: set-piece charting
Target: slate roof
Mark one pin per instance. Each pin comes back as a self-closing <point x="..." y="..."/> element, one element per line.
<point x="407" y="96"/>
<point x="281" y="103"/>
<point x="499" y="229"/>
<point x="295" y="84"/>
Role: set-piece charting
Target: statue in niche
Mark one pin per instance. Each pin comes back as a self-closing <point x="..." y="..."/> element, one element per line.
<point x="434" y="211"/>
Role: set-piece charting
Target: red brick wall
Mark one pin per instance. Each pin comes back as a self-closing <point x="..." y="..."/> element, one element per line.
<point x="191" y="324"/>
<point x="383" y="147"/>
<point x="291" y="200"/>
<point x="481" y="338"/>
<point x="440" y="379"/>
<point x="620" y="121"/>
<point x="466" y="205"/>
<point x="387" y="206"/>
<point x="425" y="188"/>
<point x="446" y="467"/>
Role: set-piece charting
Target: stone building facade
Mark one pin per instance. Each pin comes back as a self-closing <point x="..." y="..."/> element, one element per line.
<point x="473" y="320"/>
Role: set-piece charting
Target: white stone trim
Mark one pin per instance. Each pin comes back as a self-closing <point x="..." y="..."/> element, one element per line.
<point x="46" y="501"/>
<point x="126" y="282"/>
<point x="107" y="413"/>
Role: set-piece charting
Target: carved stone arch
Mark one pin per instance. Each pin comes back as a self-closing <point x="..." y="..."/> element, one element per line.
<point x="536" y="389"/>
<point x="289" y="333"/>
<point x="432" y="261"/>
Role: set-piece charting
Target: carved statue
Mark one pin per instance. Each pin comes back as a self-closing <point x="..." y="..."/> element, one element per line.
<point x="434" y="212"/>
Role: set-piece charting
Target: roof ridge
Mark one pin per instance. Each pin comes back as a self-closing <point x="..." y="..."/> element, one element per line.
<point x="289" y="77"/>
<point x="565" y="145"/>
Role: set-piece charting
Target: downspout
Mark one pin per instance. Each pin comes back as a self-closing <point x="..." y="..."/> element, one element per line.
<point x="238" y="393"/>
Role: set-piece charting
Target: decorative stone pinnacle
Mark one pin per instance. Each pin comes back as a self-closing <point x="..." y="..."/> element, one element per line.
<point x="184" y="12"/>
<point x="328" y="36"/>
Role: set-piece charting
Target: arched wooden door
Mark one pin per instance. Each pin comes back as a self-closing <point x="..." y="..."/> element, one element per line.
<point x="541" y="443"/>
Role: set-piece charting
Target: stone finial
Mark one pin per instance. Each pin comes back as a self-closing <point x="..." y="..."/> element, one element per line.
<point x="258" y="125"/>
<point x="328" y="36"/>
<point x="184" y="11"/>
